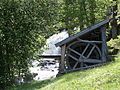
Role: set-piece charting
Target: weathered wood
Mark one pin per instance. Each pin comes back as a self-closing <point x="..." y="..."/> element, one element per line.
<point x="67" y="60"/>
<point x="82" y="62"/>
<point x="75" y="65"/>
<point x="62" y="61"/>
<point x="87" y="41"/>
<point x="99" y="51"/>
<point x="84" y="68"/>
<point x="82" y="59"/>
<point x="85" y="49"/>
<point x="91" y="61"/>
<point x="90" y="51"/>
<point x="73" y="57"/>
<point x="104" y="44"/>
<point x="76" y="52"/>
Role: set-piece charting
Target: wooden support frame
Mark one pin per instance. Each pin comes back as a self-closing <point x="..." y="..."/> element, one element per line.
<point x="104" y="44"/>
<point x="62" y="61"/>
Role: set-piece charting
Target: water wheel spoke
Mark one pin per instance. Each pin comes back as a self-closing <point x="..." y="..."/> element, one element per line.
<point x="91" y="51"/>
<point x="85" y="49"/>
<point x="75" y="65"/>
<point x="98" y="49"/>
<point x="76" y="52"/>
<point x="73" y="57"/>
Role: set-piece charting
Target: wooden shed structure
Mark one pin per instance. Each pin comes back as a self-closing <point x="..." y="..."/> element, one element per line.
<point x="84" y="49"/>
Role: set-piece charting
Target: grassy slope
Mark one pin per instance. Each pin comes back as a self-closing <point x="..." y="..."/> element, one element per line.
<point x="102" y="78"/>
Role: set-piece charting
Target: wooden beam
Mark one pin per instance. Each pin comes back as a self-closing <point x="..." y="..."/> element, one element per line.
<point x="62" y="61"/>
<point x="88" y="41"/>
<point x="75" y="65"/>
<point x="104" y="44"/>
<point x="91" y="51"/>
<point x="67" y="59"/>
<point x="73" y="57"/>
<point x="76" y="52"/>
<point x="98" y="50"/>
<point x="87" y="67"/>
<point x="85" y="49"/>
<point x="82" y="62"/>
<point x="92" y="61"/>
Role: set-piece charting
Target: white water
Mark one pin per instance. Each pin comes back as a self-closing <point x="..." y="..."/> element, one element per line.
<point x="52" y="49"/>
<point x="51" y="70"/>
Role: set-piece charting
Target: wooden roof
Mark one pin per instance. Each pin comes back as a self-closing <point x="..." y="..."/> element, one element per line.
<point x="85" y="31"/>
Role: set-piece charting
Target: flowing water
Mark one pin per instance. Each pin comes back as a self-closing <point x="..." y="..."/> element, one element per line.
<point x="50" y="68"/>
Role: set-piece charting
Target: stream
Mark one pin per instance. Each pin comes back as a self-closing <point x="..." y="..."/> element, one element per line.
<point x="48" y="68"/>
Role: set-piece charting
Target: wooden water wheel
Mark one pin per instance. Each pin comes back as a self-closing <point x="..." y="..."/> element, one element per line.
<point x="83" y="53"/>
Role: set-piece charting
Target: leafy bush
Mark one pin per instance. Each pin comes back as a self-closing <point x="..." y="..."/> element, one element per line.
<point x="23" y="28"/>
<point x="114" y="45"/>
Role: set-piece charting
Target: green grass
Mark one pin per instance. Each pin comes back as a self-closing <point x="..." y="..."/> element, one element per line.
<point x="101" y="78"/>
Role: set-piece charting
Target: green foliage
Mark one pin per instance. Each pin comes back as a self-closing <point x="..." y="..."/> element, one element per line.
<point x="114" y="43"/>
<point x="83" y="13"/>
<point x="24" y="25"/>
<point x="114" y="46"/>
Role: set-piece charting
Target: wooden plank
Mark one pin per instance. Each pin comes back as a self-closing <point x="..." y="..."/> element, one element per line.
<point x="76" y="52"/>
<point x="75" y="65"/>
<point x="67" y="60"/>
<point x="91" y="51"/>
<point x="62" y="61"/>
<point x="98" y="50"/>
<point x="84" y="68"/>
<point x="73" y="57"/>
<point x="87" y="41"/>
<point x="82" y="62"/>
<point x="85" y="49"/>
<point x="87" y="30"/>
<point x="92" y="61"/>
<point x="104" y="44"/>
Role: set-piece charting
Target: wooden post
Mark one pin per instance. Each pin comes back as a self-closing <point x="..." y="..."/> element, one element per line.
<point x="104" y="44"/>
<point x="62" y="61"/>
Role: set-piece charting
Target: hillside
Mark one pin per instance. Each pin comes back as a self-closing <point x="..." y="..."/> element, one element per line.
<point x="106" y="77"/>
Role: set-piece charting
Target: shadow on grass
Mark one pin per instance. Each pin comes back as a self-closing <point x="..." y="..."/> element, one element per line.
<point x="31" y="86"/>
